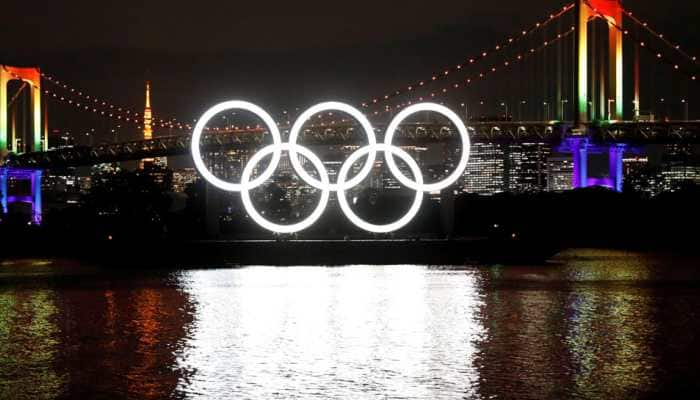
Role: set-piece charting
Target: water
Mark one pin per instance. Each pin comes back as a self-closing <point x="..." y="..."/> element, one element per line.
<point x="592" y="324"/>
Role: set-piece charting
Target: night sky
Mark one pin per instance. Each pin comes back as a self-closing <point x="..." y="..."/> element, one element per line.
<point x="280" y="54"/>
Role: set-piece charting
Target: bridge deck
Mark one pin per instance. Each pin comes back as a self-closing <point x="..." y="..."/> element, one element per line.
<point x="635" y="133"/>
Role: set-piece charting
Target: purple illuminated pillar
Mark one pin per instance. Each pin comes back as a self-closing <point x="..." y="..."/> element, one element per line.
<point x="579" y="153"/>
<point x="616" y="153"/>
<point x="36" y="197"/>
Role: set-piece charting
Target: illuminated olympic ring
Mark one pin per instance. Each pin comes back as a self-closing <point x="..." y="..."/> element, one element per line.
<point x="324" y="184"/>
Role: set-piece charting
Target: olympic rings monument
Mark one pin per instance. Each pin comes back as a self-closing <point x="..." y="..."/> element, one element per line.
<point x="323" y="184"/>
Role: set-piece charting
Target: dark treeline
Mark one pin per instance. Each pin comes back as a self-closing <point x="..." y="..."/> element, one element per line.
<point x="135" y="207"/>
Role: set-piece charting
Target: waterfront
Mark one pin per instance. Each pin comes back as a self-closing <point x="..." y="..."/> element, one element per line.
<point x="588" y="324"/>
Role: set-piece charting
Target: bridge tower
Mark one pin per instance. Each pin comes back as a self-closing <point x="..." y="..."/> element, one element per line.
<point x="32" y="76"/>
<point x="611" y="11"/>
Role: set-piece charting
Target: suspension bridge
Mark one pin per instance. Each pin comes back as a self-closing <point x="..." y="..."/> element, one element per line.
<point x="581" y="54"/>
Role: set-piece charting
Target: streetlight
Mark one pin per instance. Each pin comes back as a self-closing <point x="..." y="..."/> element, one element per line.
<point x="546" y="111"/>
<point x="563" y="110"/>
<point x="520" y="106"/>
<point x="685" y="105"/>
<point x="503" y="104"/>
<point x="610" y="101"/>
<point x="466" y="112"/>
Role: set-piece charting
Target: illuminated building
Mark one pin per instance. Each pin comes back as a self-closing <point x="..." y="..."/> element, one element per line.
<point x="388" y="180"/>
<point x="678" y="168"/>
<point x="182" y="178"/>
<point x="559" y="173"/>
<point x="674" y="176"/>
<point x="632" y="165"/>
<point x="486" y="169"/>
<point x="496" y="168"/>
<point x="61" y="188"/>
<point x="228" y="164"/>
<point x="636" y="173"/>
<point x="526" y="170"/>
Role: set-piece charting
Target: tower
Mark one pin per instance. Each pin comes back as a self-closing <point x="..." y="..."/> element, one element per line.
<point x="147" y="125"/>
<point x="32" y="77"/>
<point x="611" y="11"/>
<point x="147" y="117"/>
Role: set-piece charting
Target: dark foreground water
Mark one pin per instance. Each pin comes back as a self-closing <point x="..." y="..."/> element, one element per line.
<point x="593" y="324"/>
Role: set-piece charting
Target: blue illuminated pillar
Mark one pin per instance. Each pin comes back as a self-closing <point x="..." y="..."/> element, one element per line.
<point x="36" y="197"/>
<point x="616" y="153"/>
<point x="579" y="153"/>
<point x="3" y="190"/>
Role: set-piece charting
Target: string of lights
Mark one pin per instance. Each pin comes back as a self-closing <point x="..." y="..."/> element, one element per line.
<point x="465" y="82"/>
<point x="108" y="109"/>
<point x="658" y="55"/>
<point x="136" y="120"/>
<point x="94" y="108"/>
<point x="446" y="72"/>
<point x="124" y="113"/>
<point x="86" y="98"/>
<point x="660" y="36"/>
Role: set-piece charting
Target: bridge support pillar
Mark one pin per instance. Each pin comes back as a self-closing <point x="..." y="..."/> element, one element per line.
<point x="616" y="153"/>
<point x="34" y="197"/>
<point x="3" y="190"/>
<point x="579" y="153"/>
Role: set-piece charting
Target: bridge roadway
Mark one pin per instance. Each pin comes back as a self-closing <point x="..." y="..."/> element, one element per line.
<point x="632" y="133"/>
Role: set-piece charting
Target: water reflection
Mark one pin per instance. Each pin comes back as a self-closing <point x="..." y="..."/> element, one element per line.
<point x="333" y="332"/>
<point x="28" y="344"/>
<point x="591" y="325"/>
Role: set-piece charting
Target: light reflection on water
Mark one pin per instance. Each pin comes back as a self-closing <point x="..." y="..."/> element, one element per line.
<point x="593" y="324"/>
<point x="336" y="331"/>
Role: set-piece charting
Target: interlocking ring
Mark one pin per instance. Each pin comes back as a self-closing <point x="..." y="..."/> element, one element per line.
<point x="197" y="137"/>
<point x="250" y="208"/>
<point x="389" y="151"/>
<point x="335" y="106"/>
<point x="294" y="150"/>
<point x="466" y="147"/>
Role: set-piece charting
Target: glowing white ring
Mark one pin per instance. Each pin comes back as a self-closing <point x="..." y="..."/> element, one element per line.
<point x="250" y="208"/>
<point x="323" y="184"/>
<point x="197" y="137"/>
<point x="388" y="150"/>
<point x="335" y="106"/>
<point x="466" y="147"/>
